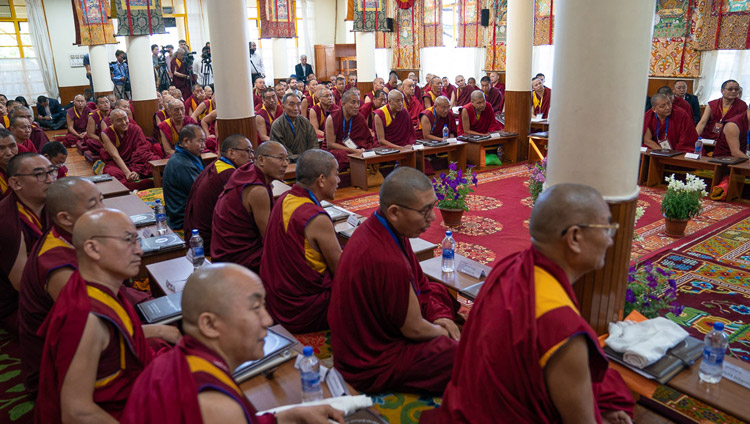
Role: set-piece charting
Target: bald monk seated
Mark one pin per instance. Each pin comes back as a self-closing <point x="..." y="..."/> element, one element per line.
<point x="540" y="98"/>
<point x="435" y="118"/>
<point x="550" y="367"/>
<point x="677" y="102"/>
<point x="733" y="139"/>
<point x="76" y="119"/>
<point x="236" y="151"/>
<point x="38" y="136"/>
<point x="435" y="90"/>
<point x="412" y="103"/>
<point x="392" y="123"/>
<point x="402" y="323"/>
<point x="347" y="131"/>
<point x="269" y="111"/>
<point x="666" y="127"/>
<point x="197" y="97"/>
<point x="193" y="382"/>
<point x="377" y="85"/>
<point x="492" y="95"/>
<point x="170" y="129"/>
<point x="720" y="110"/>
<point x="462" y="94"/>
<point x="24" y="222"/>
<point x="20" y="127"/>
<point x="242" y="211"/>
<point x="127" y="152"/>
<point x="300" y="249"/>
<point x="8" y="149"/>
<point x="293" y="130"/>
<point x="478" y="117"/>
<point x="322" y="110"/>
<point x="96" y="124"/>
<point x="94" y="345"/>
<point x="182" y="169"/>
<point x="367" y="110"/>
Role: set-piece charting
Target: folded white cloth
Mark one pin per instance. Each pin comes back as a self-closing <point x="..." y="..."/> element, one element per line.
<point x="643" y="343"/>
<point x="347" y="404"/>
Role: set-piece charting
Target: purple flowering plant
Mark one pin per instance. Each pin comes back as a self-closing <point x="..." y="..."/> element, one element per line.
<point x="651" y="291"/>
<point x="537" y="178"/>
<point x="451" y="189"/>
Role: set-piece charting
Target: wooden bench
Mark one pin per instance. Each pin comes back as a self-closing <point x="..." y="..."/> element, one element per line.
<point x="112" y="188"/>
<point x="538" y="146"/>
<point x="454" y="281"/>
<point x="475" y="150"/>
<point x="456" y="153"/>
<point x="157" y="166"/>
<point x="291" y="172"/>
<point x="657" y="164"/>
<point x="358" y="164"/>
<point x="737" y="175"/>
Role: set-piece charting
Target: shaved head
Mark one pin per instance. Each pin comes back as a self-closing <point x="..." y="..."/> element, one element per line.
<point x="477" y="95"/>
<point x="442" y="100"/>
<point x="268" y="147"/>
<point x="74" y="196"/>
<point x="212" y="288"/>
<point x="658" y="98"/>
<point x="234" y="141"/>
<point x="96" y="223"/>
<point x="313" y="163"/>
<point x="117" y="112"/>
<point x="562" y="206"/>
<point x="403" y="185"/>
<point x="174" y="104"/>
<point x="395" y="95"/>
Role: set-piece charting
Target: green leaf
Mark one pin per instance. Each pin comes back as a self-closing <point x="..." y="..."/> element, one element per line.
<point x="20" y="410"/>
<point x="8" y="375"/>
<point x="17" y="388"/>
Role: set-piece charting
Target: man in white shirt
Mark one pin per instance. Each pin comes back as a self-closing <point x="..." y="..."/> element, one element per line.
<point x="256" y="63"/>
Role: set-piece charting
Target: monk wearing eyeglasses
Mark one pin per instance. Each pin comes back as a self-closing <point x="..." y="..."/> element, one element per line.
<point x="728" y="106"/>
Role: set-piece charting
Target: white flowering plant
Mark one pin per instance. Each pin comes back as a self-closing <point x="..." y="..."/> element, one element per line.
<point x="639" y="211"/>
<point x="683" y="199"/>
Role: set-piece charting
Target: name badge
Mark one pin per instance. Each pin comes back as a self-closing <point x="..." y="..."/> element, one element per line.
<point x="692" y="156"/>
<point x="717" y="127"/>
<point x="349" y="143"/>
<point x="417" y="146"/>
<point x="644" y="149"/>
<point x="368" y="154"/>
<point x="665" y="144"/>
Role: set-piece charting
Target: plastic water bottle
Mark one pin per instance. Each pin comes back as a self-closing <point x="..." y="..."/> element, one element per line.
<point x="196" y="245"/>
<point x="161" y="218"/>
<point x="446" y="133"/>
<point x="449" y="249"/>
<point x="713" y="354"/>
<point x="699" y="147"/>
<point x="310" y="371"/>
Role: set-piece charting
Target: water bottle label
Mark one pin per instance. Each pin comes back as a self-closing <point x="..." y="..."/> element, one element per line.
<point x="448" y="254"/>
<point x="161" y="217"/>
<point x="713" y="355"/>
<point x="198" y="251"/>
<point x="310" y="381"/>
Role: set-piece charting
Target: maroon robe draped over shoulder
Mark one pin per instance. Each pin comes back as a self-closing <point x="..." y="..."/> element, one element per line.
<point x="495" y="98"/>
<point x="38" y="137"/>
<point x="508" y="340"/>
<point x="436" y="128"/>
<point x="296" y="276"/>
<point x="134" y="150"/>
<point x="322" y="115"/>
<point x="204" y="194"/>
<point x="414" y="106"/>
<point x="96" y="145"/>
<point x="369" y="302"/>
<point x="268" y="118"/>
<point x="544" y="107"/>
<point x="27" y="146"/>
<point x="722" y="147"/>
<point x="236" y="238"/>
<point x="428" y="94"/>
<point x="718" y="116"/>
<point x="447" y="90"/>
<point x="4" y="188"/>
<point x="680" y="134"/>
<point x="484" y="124"/>
<point x="463" y="94"/>
<point x="80" y="120"/>
<point x="170" y="131"/>
<point x="366" y="111"/>
<point x="63" y="330"/>
<point x="162" y="116"/>
<point x="167" y="391"/>
<point x="681" y="103"/>
<point x="356" y="128"/>
<point x="397" y="129"/>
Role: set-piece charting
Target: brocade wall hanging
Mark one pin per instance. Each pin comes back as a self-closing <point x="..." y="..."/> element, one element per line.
<point x="673" y="44"/>
<point x="277" y="18"/>
<point x="544" y="19"/>
<point x="93" y="27"/>
<point x="494" y="59"/>
<point x="470" y="32"/>
<point x="432" y="23"/>
<point x="139" y="17"/>
<point x="407" y="36"/>
<point x="369" y="15"/>
<point x="725" y="25"/>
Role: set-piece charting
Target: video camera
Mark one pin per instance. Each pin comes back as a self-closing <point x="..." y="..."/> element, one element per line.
<point x="188" y="59"/>
<point x="162" y="59"/>
<point x="206" y="54"/>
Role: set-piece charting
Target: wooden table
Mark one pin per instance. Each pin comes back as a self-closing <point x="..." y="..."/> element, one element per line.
<point x="737" y="175"/>
<point x="456" y="153"/>
<point x="538" y="146"/>
<point x="643" y="168"/>
<point x="112" y="188"/>
<point x="422" y="248"/>
<point x="454" y="281"/>
<point x="476" y="149"/>
<point x="358" y="164"/>
<point x="157" y="166"/>
<point x="657" y="163"/>
<point x="539" y="124"/>
<point x="291" y="172"/>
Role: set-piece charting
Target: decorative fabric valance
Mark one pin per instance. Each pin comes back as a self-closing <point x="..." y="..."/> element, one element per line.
<point x="93" y="26"/>
<point x="277" y="18"/>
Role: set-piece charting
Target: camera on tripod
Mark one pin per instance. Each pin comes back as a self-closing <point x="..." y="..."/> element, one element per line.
<point x="206" y="54"/>
<point x="188" y="59"/>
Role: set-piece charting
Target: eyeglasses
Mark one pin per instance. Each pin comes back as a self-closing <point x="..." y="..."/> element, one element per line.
<point x="249" y="151"/>
<point x="610" y="229"/>
<point x="42" y="176"/>
<point x="131" y="239"/>
<point x="281" y="158"/>
<point x="732" y="89"/>
<point x="424" y="211"/>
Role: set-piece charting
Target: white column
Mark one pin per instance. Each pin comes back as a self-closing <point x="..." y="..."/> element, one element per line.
<point x="520" y="41"/>
<point x="593" y="144"/>
<point x="141" y="68"/>
<point x="365" y="56"/>
<point x="227" y="21"/>
<point x="100" y="69"/>
<point x="280" y="67"/>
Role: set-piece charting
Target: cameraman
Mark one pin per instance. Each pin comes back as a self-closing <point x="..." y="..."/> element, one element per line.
<point x="256" y="63"/>
<point x="121" y="76"/>
<point x="180" y="73"/>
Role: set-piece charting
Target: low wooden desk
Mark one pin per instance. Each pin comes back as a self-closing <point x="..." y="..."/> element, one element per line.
<point x="454" y="281"/>
<point x="737" y="175"/>
<point x="423" y="249"/>
<point x="358" y="164"/>
<point x="538" y="146"/>
<point x="157" y="166"/>
<point x="539" y="124"/>
<point x="291" y="172"/>
<point x="456" y="153"/>
<point x="476" y="149"/>
<point x="112" y="188"/>
<point x="657" y="163"/>
<point x="175" y="271"/>
<point x="643" y="168"/>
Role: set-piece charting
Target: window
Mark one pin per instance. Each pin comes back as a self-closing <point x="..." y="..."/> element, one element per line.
<point x="718" y="66"/>
<point x="177" y="9"/>
<point x="15" y="42"/>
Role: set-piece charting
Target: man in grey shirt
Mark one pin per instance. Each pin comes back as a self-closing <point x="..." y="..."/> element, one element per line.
<point x="292" y="130"/>
<point x="256" y="63"/>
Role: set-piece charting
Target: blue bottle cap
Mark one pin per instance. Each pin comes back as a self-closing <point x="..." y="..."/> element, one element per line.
<point x="719" y="326"/>
<point x="195" y="231"/>
<point x="307" y="351"/>
<point x="158" y="201"/>
<point x="449" y="233"/>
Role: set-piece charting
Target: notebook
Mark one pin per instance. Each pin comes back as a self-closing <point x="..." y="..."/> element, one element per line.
<point x="336" y="214"/>
<point x="364" y="416"/>
<point x="385" y="151"/>
<point x="100" y="178"/>
<point x="665" y="152"/>
<point x="277" y="349"/>
<point x="471" y="292"/>
<point x="473" y="137"/>
<point x="162" y="310"/>
<point x="727" y="160"/>
<point x="143" y="219"/>
<point x="676" y="359"/>
<point x="432" y="143"/>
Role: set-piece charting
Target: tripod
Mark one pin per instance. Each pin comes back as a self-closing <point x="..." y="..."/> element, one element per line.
<point x="207" y="72"/>
<point x="164" y="81"/>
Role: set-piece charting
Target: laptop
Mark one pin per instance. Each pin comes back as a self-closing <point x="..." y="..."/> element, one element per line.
<point x="432" y="143"/>
<point x="727" y="160"/>
<point x="471" y="292"/>
<point x="277" y="349"/>
<point x="161" y="243"/>
<point x="665" y="152"/>
<point x="473" y="137"/>
<point x="143" y="219"/>
<point x="385" y="151"/>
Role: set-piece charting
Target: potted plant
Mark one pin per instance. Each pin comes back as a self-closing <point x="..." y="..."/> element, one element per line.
<point x="651" y="290"/>
<point x="451" y="191"/>
<point x="537" y="178"/>
<point x="681" y="202"/>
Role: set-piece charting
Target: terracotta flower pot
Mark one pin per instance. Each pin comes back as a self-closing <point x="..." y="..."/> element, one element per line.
<point x="675" y="227"/>
<point x="451" y="217"/>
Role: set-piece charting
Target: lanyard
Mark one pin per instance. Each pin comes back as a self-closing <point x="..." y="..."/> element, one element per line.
<point x="434" y="122"/>
<point x="312" y="197"/>
<point x="191" y="156"/>
<point x="227" y="161"/>
<point x="290" y="124"/>
<point x="385" y="224"/>
<point x="666" y="129"/>
<point x="350" y="126"/>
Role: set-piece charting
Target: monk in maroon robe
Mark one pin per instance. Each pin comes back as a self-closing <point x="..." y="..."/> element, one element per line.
<point x="447" y="89"/>
<point x="492" y="95"/>
<point x="720" y="110"/>
<point x="310" y="99"/>
<point x="436" y="90"/>
<point x="478" y="117"/>
<point x="412" y="103"/>
<point x="540" y="98"/>
<point x="270" y="110"/>
<point x="321" y="111"/>
<point x="24" y="222"/>
<point x="338" y="90"/>
<point x="462" y="94"/>
<point x="367" y="110"/>
<point x="392" y="124"/>
<point x="77" y="118"/>
<point x="667" y="127"/>
<point x="8" y="149"/>
<point x="258" y="89"/>
<point x="91" y="308"/>
<point x="192" y="102"/>
<point x="435" y="118"/>
<point x="171" y="127"/>
<point x="377" y="85"/>
<point x="95" y="124"/>
<point x="733" y="140"/>
<point x="193" y="382"/>
<point x="20" y="127"/>
<point x="402" y="323"/>
<point x="348" y="124"/>
<point x="38" y="137"/>
<point x="242" y="211"/>
<point x="236" y="151"/>
<point x="126" y="153"/>
<point x="526" y="354"/>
